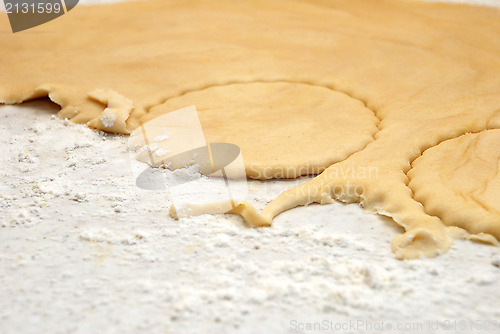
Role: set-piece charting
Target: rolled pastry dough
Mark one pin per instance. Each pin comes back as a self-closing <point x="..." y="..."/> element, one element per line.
<point x="361" y="85"/>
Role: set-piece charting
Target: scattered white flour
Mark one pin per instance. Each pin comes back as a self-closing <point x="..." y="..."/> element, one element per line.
<point x="107" y="118"/>
<point x="151" y="148"/>
<point x="161" y="151"/>
<point x="84" y="250"/>
<point x="161" y="138"/>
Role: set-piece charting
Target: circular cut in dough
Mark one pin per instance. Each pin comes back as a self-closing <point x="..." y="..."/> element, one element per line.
<point x="459" y="181"/>
<point x="284" y="130"/>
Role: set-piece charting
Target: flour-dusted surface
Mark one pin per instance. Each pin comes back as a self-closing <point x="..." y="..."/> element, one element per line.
<point x="83" y="250"/>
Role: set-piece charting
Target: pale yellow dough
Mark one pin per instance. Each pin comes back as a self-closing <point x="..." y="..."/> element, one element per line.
<point x="383" y="91"/>
<point x="313" y="127"/>
<point x="465" y="182"/>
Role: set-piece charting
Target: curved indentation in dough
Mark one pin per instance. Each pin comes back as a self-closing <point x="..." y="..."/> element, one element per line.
<point x="309" y="82"/>
<point x="307" y="127"/>
<point x="459" y="182"/>
<point x="385" y="192"/>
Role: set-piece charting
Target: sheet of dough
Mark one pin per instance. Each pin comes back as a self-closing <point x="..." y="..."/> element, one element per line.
<point x="429" y="73"/>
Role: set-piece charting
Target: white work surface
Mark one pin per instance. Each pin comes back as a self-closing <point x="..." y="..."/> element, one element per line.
<point x="83" y="250"/>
